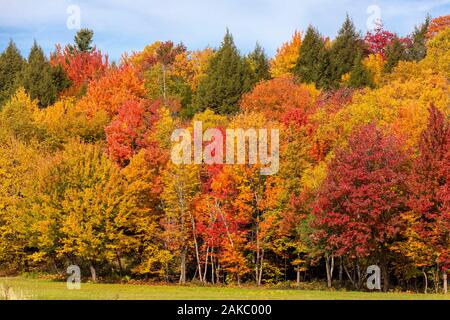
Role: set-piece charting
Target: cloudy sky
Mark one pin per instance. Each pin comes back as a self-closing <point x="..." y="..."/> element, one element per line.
<point x="129" y="25"/>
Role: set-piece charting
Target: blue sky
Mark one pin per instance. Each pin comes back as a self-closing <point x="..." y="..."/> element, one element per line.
<point x="129" y="25"/>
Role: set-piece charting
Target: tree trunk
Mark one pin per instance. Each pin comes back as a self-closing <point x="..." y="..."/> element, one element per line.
<point x="183" y="267"/>
<point x="444" y="278"/>
<point x="384" y="271"/>
<point x="261" y="268"/>
<point x="206" y="265"/>
<point x="212" y="266"/>
<point x="298" y="276"/>
<point x="425" y="278"/>
<point x="119" y="262"/>
<point x="329" y="265"/>
<point x="93" y="272"/>
<point x="436" y="280"/>
<point x="197" y="255"/>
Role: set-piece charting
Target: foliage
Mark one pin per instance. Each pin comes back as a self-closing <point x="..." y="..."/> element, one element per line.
<point x="38" y="79"/>
<point x="227" y="78"/>
<point x="313" y="64"/>
<point x="11" y="65"/>
<point x="287" y="55"/>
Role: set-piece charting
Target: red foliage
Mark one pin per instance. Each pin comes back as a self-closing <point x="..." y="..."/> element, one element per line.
<point x="330" y="103"/>
<point x="80" y="66"/>
<point x="430" y="186"/>
<point x="129" y="130"/>
<point x="378" y="40"/>
<point x="358" y="207"/>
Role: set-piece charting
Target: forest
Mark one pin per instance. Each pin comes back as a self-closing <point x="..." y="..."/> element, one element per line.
<point x="86" y="177"/>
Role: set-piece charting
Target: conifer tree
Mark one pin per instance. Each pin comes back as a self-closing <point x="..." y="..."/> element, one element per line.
<point x="418" y="48"/>
<point x="345" y="49"/>
<point x="83" y="40"/>
<point x="313" y="63"/>
<point x="395" y="52"/>
<point x="227" y="78"/>
<point x="259" y="64"/>
<point x="37" y="77"/>
<point x="359" y="76"/>
<point x="11" y="65"/>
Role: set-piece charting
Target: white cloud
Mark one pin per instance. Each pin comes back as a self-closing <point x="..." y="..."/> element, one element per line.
<point x="129" y="25"/>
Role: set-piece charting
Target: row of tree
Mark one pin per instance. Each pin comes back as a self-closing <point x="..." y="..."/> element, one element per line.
<point x="87" y="179"/>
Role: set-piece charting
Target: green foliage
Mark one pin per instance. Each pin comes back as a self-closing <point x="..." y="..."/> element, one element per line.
<point x="359" y="76"/>
<point x="418" y="49"/>
<point x="228" y="76"/>
<point x="259" y="64"/>
<point x="11" y="65"/>
<point x="313" y="64"/>
<point x="37" y="77"/>
<point x="395" y="52"/>
<point x="345" y="49"/>
<point x="64" y="200"/>
<point x="83" y="40"/>
<point x="60" y="78"/>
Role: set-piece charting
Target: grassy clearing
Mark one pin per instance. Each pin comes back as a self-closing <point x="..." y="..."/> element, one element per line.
<point x="49" y="290"/>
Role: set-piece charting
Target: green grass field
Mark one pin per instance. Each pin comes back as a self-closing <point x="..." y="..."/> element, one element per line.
<point x="47" y="290"/>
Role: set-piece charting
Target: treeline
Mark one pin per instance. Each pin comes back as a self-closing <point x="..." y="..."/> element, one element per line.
<point x="86" y="176"/>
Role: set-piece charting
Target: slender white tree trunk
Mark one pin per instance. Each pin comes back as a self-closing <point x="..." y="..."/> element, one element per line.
<point x="444" y="278"/>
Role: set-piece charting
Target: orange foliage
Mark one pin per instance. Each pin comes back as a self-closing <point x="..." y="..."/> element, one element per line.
<point x="108" y="93"/>
<point x="438" y="24"/>
<point x="278" y="96"/>
<point x="80" y="66"/>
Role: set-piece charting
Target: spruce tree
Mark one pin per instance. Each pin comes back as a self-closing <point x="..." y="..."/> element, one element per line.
<point x="395" y="52"/>
<point x="345" y="49"/>
<point x="259" y="65"/>
<point x="418" y="48"/>
<point x="83" y="40"/>
<point x="38" y="78"/>
<point x="60" y="78"/>
<point x="359" y="76"/>
<point x="11" y="65"/>
<point x="228" y="76"/>
<point x="313" y="62"/>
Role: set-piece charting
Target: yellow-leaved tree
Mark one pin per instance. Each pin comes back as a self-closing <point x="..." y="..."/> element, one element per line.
<point x="287" y="55"/>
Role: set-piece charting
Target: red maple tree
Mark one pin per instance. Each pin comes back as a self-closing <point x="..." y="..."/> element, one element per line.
<point x="357" y="213"/>
<point x="430" y="187"/>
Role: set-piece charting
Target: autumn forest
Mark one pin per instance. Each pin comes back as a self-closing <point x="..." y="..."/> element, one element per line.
<point x="86" y="176"/>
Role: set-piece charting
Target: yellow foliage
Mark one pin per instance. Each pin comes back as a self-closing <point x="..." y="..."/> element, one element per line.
<point x="401" y="107"/>
<point x="438" y="53"/>
<point x="287" y="56"/>
<point x="192" y="66"/>
<point x="18" y="166"/>
<point x="374" y="63"/>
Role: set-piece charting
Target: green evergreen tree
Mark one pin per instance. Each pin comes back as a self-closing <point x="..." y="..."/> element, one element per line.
<point x="418" y="48"/>
<point x="345" y="49"/>
<point x="395" y="52"/>
<point x="259" y="64"/>
<point x="228" y="76"/>
<point x="60" y="78"/>
<point x="11" y="65"/>
<point x="38" y="77"/>
<point x="359" y="76"/>
<point x="83" y="40"/>
<point x="313" y="64"/>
